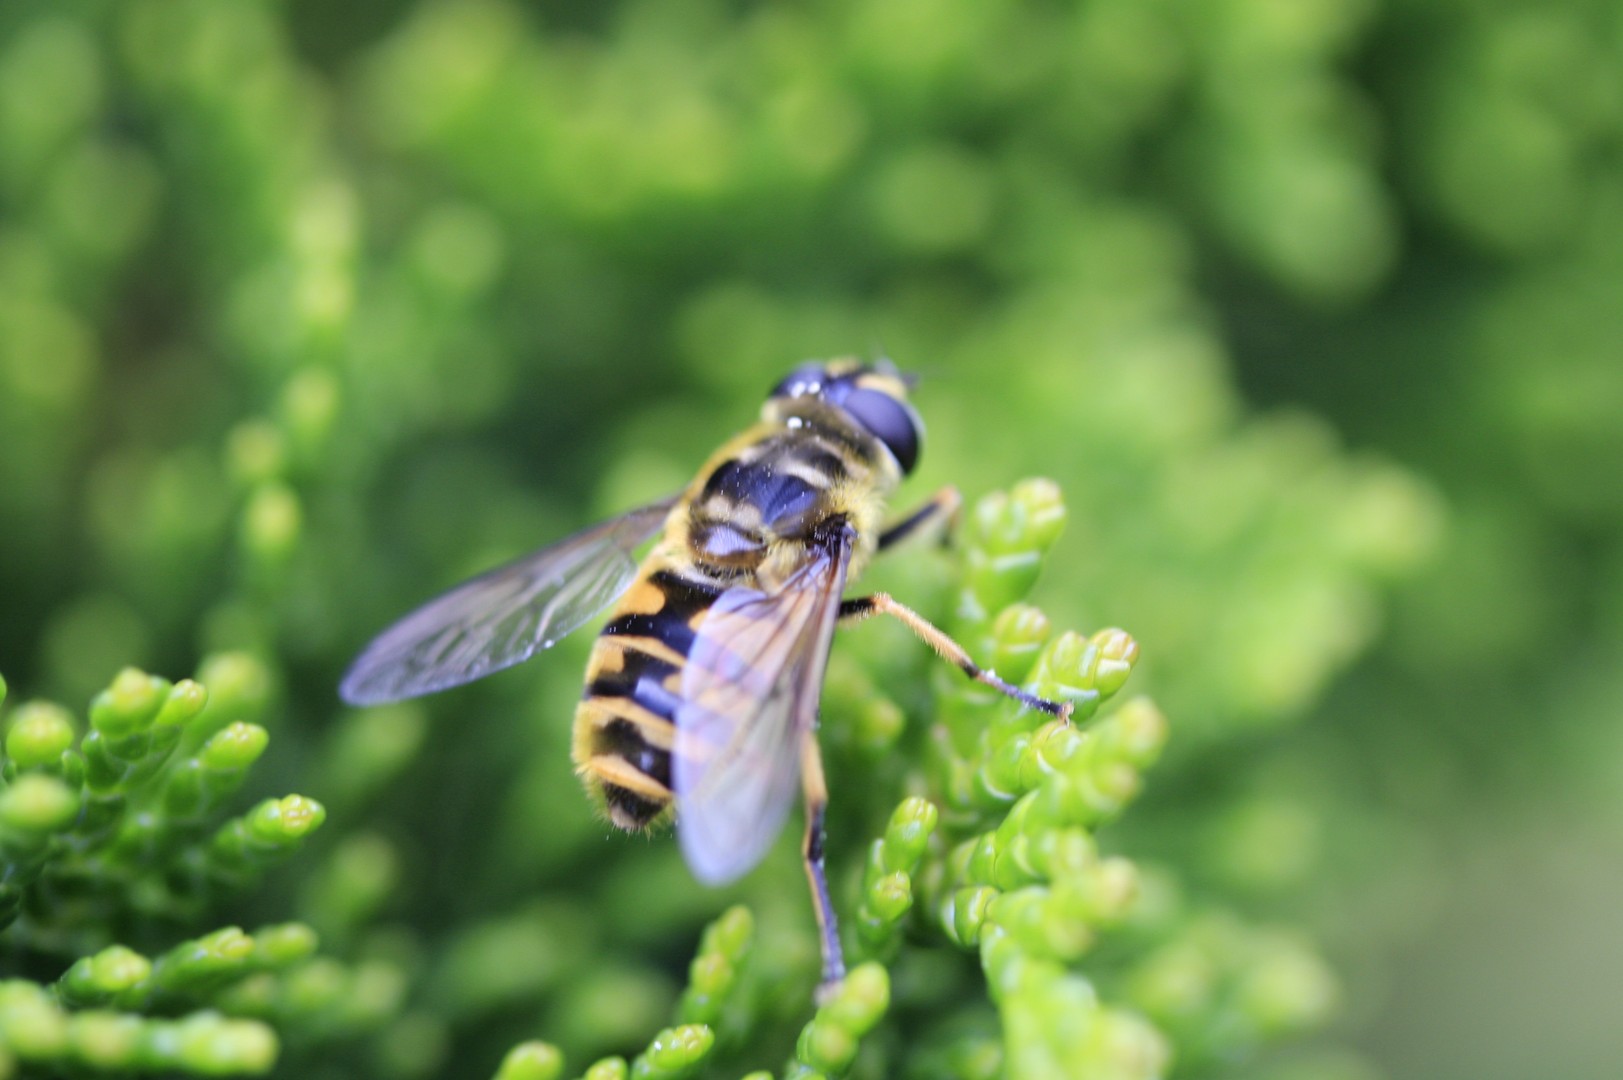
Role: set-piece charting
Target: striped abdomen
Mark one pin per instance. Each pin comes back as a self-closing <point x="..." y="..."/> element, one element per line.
<point x="625" y="724"/>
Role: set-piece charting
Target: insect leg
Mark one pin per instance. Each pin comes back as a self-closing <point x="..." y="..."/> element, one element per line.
<point x="944" y="503"/>
<point x="862" y="607"/>
<point x="816" y="789"/>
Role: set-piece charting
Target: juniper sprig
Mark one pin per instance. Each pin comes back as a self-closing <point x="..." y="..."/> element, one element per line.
<point x="116" y="830"/>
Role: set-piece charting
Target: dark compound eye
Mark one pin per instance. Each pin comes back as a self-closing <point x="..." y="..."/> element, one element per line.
<point x="891" y="421"/>
<point x="808" y="378"/>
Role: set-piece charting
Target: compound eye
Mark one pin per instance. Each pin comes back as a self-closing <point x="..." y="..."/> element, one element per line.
<point x="891" y="421"/>
<point x="807" y="379"/>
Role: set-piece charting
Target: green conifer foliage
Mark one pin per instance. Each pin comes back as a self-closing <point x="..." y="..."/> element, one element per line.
<point x="1307" y="312"/>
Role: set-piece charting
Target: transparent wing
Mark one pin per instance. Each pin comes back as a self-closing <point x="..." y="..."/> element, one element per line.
<point x="749" y="692"/>
<point x="504" y="616"/>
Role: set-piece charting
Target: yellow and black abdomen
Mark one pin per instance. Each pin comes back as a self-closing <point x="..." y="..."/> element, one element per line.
<point x="625" y="724"/>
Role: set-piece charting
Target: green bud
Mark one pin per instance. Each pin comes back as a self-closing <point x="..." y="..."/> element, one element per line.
<point x="185" y="700"/>
<point x="108" y="977"/>
<point x="1177" y="981"/>
<point x="105" y="1040"/>
<point x="185" y="791"/>
<point x="713" y="975"/>
<point x="74" y="769"/>
<point x="674" y="1053"/>
<point x="31" y="1024"/>
<point x="1084" y="671"/>
<point x="234" y="748"/>
<point x="1285" y="990"/>
<point x="256" y="995"/>
<point x="828" y="1044"/>
<point x="1085" y="777"/>
<point x="709" y="976"/>
<point x="862" y="1000"/>
<point x="194" y="967"/>
<point x="1117" y="653"/>
<point x="377" y="987"/>
<point x="612" y="1068"/>
<point x="732" y="933"/>
<point x="1125" y="1045"/>
<point x="1092" y="795"/>
<point x="1061" y="852"/>
<point x="984" y="855"/>
<point x="196" y="785"/>
<point x="211" y="1044"/>
<point x="531" y="1061"/>
<point x="315" y="987"/>
<point x="1050" y="922"/>
<point x="1029" y="517"/>
<point x="965" y="913"/>
<point x="1137" y="731"/>
<point x="1005" y="539"/>
<point x="238" y="689"/>
<point x="1056" y="746"/>
<point x="39" y="734"/>
<point x="1017" y="637"/>
<point x="275" y="823"/>
<point x="353" y="884"/>
<point x="1009" y="969"/>
<point x="876" y="725"/>
<point x="35" y="805"/>
<point x="890" y="897"/>
<point x="139" y="837"/>
<point x="284" y="945"/>
<point x="1041" y="510"/>
<point x="255" y="452"/>
<point x="958" y="780"/>
<point x="104" y="769"/>
<point x="129" y="705"/>
<point x="273" y="828"/>
<point x="827" y="1047"/>
<point x="998" y="780"/>
<point x="271" y="522"/>
<point x="1109" y="890"/>
<point x="908" y="833"/>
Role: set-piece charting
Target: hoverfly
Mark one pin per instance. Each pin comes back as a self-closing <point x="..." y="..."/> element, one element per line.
<point x="701" y="691"/>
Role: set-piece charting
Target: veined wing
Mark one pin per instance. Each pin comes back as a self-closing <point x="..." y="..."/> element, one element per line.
<point x="749" y="693"/>
<point x="503" y="616"/>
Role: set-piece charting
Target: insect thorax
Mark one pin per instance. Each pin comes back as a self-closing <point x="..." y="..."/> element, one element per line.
<point x="769" y="491"/>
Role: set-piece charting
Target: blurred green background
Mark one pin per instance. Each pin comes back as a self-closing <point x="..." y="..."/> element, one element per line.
<point x="1314" y="309"/>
